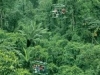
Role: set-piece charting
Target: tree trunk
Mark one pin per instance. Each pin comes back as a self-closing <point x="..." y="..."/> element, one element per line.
<point x="54" y="1"/>
<point x="1" y="14"/>
<point x="73" y="21"/>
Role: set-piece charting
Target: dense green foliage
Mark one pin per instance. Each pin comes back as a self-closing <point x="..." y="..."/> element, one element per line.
<point x="69" y="44"/>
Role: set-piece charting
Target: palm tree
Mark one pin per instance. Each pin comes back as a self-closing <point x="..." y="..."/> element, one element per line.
<point x="33" y="32"/>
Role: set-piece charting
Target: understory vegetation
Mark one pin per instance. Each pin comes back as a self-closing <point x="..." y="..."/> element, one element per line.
<point x="68" y="41"/>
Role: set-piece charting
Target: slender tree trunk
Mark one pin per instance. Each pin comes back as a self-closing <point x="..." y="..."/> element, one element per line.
<point x="23" y="7"/>
<point x="1" y="13"/>
<point x="0" y="17"/>
<point x="73" y="20"/>
<point x="54" y="1"/>
<point x="73" y="17"/>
